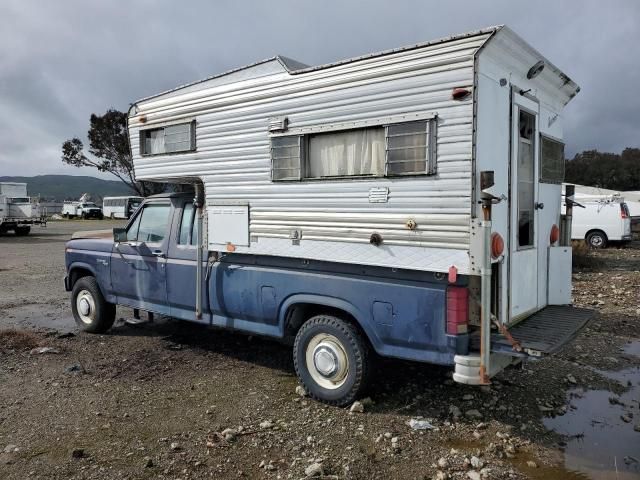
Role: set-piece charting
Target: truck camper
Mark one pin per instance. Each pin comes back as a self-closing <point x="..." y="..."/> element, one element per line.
<point x="406" y="203"/>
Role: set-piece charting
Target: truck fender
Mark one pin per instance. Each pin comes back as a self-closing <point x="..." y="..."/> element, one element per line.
<point x="91" y="269"/>
<point x="333" y="302"/>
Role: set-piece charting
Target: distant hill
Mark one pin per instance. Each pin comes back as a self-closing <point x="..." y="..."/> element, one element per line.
<point x="69" y="187"/>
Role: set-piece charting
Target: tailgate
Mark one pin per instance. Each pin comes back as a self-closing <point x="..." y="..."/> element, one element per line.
<point x="544" y="332"/>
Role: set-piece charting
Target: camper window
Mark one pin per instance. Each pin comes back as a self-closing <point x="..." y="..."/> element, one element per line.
<point x="551" y="160"/>
<point x="408" y="148"/>
<point x="286" y="153"/>
<point x="344" y="154"/>
<point x="387" y="150"/>
<point x="169" y="139"/>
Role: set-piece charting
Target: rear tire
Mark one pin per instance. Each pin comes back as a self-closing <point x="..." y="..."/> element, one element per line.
<point x="91" y="311"/>
<point x="22" y="231"/>
<point x="331" y="359"/>
<point x="596" y="239"/>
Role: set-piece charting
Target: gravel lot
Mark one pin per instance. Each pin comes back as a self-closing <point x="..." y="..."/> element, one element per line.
<point x="173" y="400"/>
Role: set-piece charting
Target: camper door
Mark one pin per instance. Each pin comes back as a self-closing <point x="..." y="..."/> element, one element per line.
<point x="525" y="268"/>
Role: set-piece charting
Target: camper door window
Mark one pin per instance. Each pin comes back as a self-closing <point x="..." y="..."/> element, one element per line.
<point x="169" y="139"/>
<point x="385" y="150"/>
<point x="525" y="173"/>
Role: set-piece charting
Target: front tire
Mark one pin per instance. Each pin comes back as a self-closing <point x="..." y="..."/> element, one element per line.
<point x="331" y="359"/>
<point x="596" y="239"/>
<point x="91" y="311"/>
<point x="22" y="231"/>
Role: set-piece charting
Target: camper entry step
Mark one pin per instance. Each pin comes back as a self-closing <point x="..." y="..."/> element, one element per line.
<point x="544" y="332"/>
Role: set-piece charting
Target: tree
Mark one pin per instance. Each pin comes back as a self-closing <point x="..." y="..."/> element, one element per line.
<point x="606" y="170"/>
<point x="108" y="151"/>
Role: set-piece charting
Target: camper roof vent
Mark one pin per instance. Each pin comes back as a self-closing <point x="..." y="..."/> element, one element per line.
<point x="278" y="124"/>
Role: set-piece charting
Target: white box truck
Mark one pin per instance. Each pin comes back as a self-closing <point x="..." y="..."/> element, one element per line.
<point x="18" y="211"/>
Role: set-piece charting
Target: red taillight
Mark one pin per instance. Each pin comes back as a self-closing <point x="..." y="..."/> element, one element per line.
<point x="623" y="210"/>
<point x="554" y="236"/>
<point x="457" y="310"/>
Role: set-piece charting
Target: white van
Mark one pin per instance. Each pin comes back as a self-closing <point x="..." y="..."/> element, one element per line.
<point x="601" y="221"/>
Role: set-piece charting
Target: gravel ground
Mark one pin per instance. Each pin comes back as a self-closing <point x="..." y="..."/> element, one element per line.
<point x="174" y="400"/>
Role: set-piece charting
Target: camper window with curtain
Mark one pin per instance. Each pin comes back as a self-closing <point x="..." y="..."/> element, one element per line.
<point x="169" y="139"/>
<point x="387" y="150"/>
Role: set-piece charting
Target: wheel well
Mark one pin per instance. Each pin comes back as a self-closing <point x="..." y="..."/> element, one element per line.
<point x="594" y="230"/>
<point x="298" y="313"/>
<point x="77" y="273"/>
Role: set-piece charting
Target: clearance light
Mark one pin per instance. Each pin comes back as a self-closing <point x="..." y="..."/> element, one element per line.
<point x="497" y="245"/>
<point x="554" y="236"/>
<point x="460" y="93"/>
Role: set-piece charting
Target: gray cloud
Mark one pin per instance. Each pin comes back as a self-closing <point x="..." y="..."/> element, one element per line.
<point x="62" y="61"/>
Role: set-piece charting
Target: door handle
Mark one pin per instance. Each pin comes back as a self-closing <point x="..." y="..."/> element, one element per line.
<point x="158" y="253"/>
<point x="539" y="205"/>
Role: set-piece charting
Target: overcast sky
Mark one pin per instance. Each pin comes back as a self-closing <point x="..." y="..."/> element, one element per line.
<point x="60" y="61"/>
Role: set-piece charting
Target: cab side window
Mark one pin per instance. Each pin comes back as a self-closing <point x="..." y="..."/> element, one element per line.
<point x="151" y="224"/>
<point x="188" y="226"/>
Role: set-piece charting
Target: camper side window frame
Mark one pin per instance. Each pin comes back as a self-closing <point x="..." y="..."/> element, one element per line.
<point x="290" y="153"/>
<point x="148" y="131"/>
<point x="548" y="179"/>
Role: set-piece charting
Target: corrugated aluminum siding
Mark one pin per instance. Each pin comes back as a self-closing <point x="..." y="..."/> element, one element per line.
<point x="233" y="155"/>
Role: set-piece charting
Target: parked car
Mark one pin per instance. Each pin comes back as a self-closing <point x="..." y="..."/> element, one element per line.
<point x="601" y="221"/>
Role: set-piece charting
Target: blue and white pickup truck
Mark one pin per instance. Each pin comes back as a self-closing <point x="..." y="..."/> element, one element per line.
<point x="336" y="316"/>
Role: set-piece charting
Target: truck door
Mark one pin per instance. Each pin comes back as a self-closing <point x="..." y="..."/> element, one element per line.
<point x="523" y="241"/>
<point x="181" y="265"/>
<point x="138" y="266"/>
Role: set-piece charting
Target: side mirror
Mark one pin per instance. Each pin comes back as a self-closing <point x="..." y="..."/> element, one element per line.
<point x="119" y="235"/>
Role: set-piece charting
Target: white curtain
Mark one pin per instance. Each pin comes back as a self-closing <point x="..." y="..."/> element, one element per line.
<point x="354" y="152"/>
<point x="156" y="141"/>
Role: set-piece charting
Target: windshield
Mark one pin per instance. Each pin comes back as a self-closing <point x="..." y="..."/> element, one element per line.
<point x="20" y="200"/>
<point x="90" y="204"/>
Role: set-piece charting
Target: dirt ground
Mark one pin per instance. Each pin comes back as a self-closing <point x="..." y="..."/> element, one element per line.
<point x="173" y="400"/>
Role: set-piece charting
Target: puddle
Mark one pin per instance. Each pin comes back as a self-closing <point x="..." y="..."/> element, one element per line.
<point x="602" y="445"/>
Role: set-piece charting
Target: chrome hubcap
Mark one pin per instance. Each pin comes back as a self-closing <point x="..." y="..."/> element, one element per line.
<point x="86" y="307"/>
<point x="327" y="361"/>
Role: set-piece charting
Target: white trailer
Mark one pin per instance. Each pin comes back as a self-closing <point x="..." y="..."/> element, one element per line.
<point x="425" y="158"/>
<point x="18" y="211"/>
